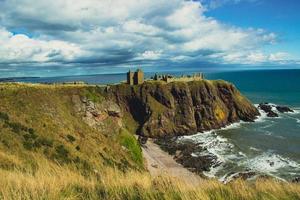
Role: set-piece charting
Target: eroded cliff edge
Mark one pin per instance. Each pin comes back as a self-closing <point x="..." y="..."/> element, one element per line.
<point x="159" y="109"/>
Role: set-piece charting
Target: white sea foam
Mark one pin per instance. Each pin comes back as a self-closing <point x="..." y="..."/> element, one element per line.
<point x="274" y="109"/>
<point x="216" y="146"/>
<point x="242" y="154"/>
<point x="296" y="111"/>
<point x="255" y="149"/>
<point x="268" y="162"/>
<point x="271" y="123"/>
<point x="263" y="115"/>
<point x="225" y="152"/>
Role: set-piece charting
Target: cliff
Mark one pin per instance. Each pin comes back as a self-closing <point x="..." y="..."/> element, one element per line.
<point x="71" y="141"/>
<point x="181" y="108"/>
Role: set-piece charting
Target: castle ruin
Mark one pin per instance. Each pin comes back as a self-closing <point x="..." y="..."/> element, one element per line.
<point x="169" y="78"/>
<point x="135" y="78"/>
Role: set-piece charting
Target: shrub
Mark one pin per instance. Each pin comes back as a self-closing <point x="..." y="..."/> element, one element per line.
<point x="28" y="136"/>
<point x="92" y="94"/>
<point x="17" y="127"/>
<point x="128" y="140"/>
<point x="4" y="116"/>
<point x="61" y="154"/>
<point x="45" y="141"/>
<point x="71" y="138"/>
<point x="29" y="145"/>
<point x="31" y="131"/>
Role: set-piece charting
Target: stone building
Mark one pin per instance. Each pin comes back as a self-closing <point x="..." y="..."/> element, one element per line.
<point x="186" y="78"/>
<point x="135" y="78"/>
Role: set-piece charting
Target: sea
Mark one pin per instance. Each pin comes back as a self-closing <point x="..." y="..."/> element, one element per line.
<point x="269" y="146"/>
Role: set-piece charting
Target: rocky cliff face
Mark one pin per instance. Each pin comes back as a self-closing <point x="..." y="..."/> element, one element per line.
<point x="182" y="108"/>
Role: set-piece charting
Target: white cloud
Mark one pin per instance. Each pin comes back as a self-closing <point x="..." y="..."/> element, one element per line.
<point x="151" y="55"/>
<point x="279" y="56"/>
<point x="116" y="32"/>
<point x="254" y="57"/>
<point x="213" y="4"/>
<point x="20" y="48"/>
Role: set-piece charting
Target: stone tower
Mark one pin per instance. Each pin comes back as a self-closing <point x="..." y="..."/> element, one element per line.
<point x="135" y="78"/>
<point x="138" y="77"/>
<point x="130" y="77"/>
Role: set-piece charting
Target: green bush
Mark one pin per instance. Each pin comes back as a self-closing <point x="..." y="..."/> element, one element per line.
<point x="4" y="116"/>
<point x="61" y="154"/>
<point x="45" y="141"/>
<point x="29" y="145"/>
<point x="31" y="131"/>
<point x="17" y="127"/>
<point x="128" y="140"/>
<point x="28" y="136"/>
<point x="92" y="94"/>
<point x="71" y="138"/>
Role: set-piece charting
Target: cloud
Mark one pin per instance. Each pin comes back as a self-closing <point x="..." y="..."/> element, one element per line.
<point x="213" y="4"/>
<point x="255" y="57"/>
<point x="20" y="48"/>
<point x="114" y="33"/>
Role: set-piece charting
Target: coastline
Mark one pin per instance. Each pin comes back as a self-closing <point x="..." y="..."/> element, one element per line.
<point x="187" y="151"/>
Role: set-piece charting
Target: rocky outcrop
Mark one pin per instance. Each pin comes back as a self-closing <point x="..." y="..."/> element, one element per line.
<point x="183" y="153"/>
<point x="98" y="114"/>
<point x="283" y="109"/>
<point x="268" y="109"/>
<point x="271" y="109"/>
<point x="181" y="108"/>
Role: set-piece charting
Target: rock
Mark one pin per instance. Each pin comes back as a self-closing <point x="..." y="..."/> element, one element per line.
<point x="114" y="111"/>
<point x="183" y="154"/>
<point x="182" y="108"/>
<point x="142" y="140"/>
<point x="84" y="99"/>
<point x="284" y="109"/>
<point x="154" y="165"/>
<point x="272" y="114"/>
<point x="240" y="175"/>
<point x="267" y="108"/>
<point x="296" y="180"/>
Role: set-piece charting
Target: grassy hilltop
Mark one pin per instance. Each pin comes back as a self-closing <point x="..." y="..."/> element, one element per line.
<point x="72" y="142"/>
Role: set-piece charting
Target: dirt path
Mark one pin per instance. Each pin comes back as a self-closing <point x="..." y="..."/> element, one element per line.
<point x="161" y="163"/>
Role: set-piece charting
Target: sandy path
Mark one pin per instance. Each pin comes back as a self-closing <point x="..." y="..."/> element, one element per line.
<point x="161" y="163"/>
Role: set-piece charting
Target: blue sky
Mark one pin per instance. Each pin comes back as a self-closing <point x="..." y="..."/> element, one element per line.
<point x="280" y="17"/>
<point x="54" y="38"/>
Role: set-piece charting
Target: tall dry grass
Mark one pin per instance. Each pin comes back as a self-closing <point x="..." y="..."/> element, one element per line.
<point x="52" y="181"/>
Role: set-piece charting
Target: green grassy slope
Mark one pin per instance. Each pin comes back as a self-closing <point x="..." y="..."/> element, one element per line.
<point x="41" y="120"/>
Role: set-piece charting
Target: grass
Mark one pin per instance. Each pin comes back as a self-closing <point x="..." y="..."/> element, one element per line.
<point x="48" y="152"/>
<point x="52" y="181"/>
<point x="128" y="141"/>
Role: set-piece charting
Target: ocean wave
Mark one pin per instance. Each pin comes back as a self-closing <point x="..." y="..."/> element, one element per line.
<point x="228" y="155"/>
<point x="296" y="111"/>
<point x="269" y="163"/>
<point x="274" y="109"/>
<point x="215" y="146"/>
<point x="253" y="148"/>
<point x="263" y="115"/>
<point x="265" y="163"/>
<point x="271" y="123"/>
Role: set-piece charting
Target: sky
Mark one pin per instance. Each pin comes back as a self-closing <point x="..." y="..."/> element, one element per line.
<point x="71" y="37"/>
